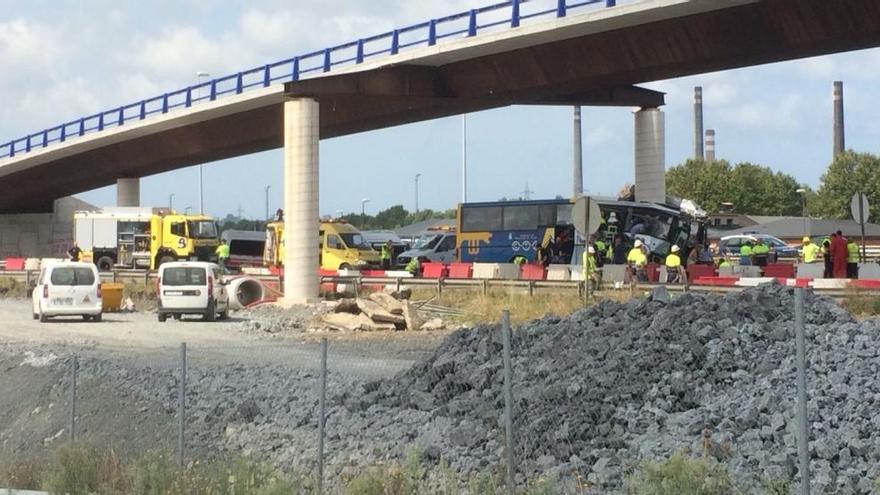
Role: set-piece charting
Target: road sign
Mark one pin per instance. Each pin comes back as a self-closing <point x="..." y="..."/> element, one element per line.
<point x="579" y="216"/>
<point x="859" y="207"/>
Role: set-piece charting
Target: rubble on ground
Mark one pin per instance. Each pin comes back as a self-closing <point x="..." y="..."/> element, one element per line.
<point x="379" y="311"/>
<point x="273" y="320"/>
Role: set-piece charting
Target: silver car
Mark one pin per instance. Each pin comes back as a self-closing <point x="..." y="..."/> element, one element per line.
<point x="438" y="247"/>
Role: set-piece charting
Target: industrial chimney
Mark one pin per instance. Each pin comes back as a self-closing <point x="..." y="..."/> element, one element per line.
<point x="839" y="144"/>
<point x="710" y="145"/>
<point x="698" y="122"/>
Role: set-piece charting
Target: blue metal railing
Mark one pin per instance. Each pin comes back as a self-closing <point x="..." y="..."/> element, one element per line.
<point x="510" y="13"/>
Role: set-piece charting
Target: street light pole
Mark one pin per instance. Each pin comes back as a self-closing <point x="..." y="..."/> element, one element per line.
<point x="417" y="192"/>
<point x="171" y="201"/>
<point x="199" y="76"/>
<point x="363" y="211"/>
<point x="186" y="210"/>
<point x="267" y="201"/>
<point x="464" y="158"/>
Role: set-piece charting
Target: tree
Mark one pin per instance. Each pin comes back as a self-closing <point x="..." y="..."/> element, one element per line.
<point x="752" y="189"/>
<point x="849" y="173"/>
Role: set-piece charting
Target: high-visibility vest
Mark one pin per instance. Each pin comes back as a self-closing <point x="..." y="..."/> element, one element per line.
<point x="673" y="260"/>
<point x="811" y="252"/>
<point x="760" y="249"/>
<point x="385" y="253"/>
<point x="852" y="251"/>
<point x="637" y="257"/>
<point x="600" y="248"/>
<point x="413" y="265"/>
<point x="745" y="250"/>
<point x="723" y="263"/>
<point x="222" y="251"/>
<point x="589" y="266"/>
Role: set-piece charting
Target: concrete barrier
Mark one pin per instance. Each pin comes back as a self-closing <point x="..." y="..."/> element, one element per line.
<point x="613" y="273"/>
<point x="830" y="283"/>
<point x="559" y="272"/>
<point x="810" y="270"/>
<point x="507" y="271"/>
<point x="869" y="271"/>
<point x="747" y="271"/>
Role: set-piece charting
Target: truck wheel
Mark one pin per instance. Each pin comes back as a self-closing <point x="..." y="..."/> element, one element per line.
<point x="164" y="259"/>
<point x="105" y="263"/>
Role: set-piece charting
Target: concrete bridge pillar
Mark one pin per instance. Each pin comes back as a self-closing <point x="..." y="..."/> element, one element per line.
<point x="650" y="155"/>
<point x="128" y="192"/>
<point x="301" y="137"/>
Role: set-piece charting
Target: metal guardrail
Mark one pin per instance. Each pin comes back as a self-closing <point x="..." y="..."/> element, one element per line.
<point x="510" y="13"/>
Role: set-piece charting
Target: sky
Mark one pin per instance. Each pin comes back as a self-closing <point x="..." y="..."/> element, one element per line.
<point x="63" y="59"/>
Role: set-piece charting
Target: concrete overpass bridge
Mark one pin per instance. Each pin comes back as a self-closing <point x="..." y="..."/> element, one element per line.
<point x="563" y="52"/>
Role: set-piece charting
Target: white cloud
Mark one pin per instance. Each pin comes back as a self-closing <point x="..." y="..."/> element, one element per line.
<point x="600" y="135"/>
<point x="27" y="47"/>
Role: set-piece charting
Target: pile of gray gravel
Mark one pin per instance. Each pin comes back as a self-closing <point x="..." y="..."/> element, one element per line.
<point x="272" y="320"/>
<point x="595" y="394"/>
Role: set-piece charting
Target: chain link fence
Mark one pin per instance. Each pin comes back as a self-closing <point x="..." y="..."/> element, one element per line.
<point x="492" y="409"/>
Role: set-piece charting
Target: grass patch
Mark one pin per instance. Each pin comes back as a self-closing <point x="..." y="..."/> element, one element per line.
<point x="680" y="475"/>
<point x="143" y="294"/>
<point x="860" y="303"/>
<point x="79" y="470"/>
<point x="10" y="287"/>
<point x="479" y="308"/>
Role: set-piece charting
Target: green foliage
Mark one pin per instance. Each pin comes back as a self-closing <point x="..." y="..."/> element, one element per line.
<point x="395" y="217"/>
<point x="777" y="487"/>
<point x="680" y="475"/>
<point x="22" y="475"/>
<point x="849" y="173"/>
<point x="76" y="472"/>
<point x="753" y="189"/>
<point x="10" y="287"/>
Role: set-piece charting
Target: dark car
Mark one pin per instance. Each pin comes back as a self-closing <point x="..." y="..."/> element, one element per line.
<point x="730" y="245"/>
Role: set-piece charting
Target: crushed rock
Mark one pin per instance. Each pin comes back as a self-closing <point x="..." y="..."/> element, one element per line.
<point x="273" y="320"/>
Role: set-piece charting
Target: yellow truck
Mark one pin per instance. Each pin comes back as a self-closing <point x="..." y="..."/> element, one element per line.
<point x="134" y="237"/>
<point x="342" y="246"/>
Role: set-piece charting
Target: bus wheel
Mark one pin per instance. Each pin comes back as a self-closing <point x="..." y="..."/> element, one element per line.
<point x="105" y="263"/>
<point x="345" y="266"/>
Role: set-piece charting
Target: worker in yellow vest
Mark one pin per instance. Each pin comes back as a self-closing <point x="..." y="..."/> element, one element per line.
<point x="852" y="259"/>
<point x="385" y="255"/>
<point x="673" y="266"/>
<point x="636" y="261"/>
<point x="810" y="251"/>
<point x="745" y="253"/>
<point x="590" y="275"/>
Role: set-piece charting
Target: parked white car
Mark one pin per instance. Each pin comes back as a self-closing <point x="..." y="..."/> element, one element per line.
<point x="68" y="288"/>
<point x="192" y="287"/>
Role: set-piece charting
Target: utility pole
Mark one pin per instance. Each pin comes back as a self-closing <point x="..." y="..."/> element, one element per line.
<point x="578" y="165"/>
<point x="464" y="158"/>
<point x="417" y="192"/>
<point x="267" y="202"/>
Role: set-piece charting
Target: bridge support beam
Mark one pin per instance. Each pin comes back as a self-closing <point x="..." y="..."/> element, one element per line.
<point x="301" y="138"/>
<point x="128" y="192"/>
<point x="650" y="155"/>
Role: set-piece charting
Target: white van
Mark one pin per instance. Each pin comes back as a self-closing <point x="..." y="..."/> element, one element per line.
<point x="192" y="287"/>
<point x="68" y="288"/>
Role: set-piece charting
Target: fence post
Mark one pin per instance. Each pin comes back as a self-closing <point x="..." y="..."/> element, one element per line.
<point x="508" y="400"/>
<point x="322" y="394"/>
<point x="74" y="364"/>
<point x="181" y="405"/>
<point x="803" y="434"/>
<point x="27" y="279"/>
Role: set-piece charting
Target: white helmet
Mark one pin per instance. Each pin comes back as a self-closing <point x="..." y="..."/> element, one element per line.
<point x="638" y="243"/>
<point x="591" y="250"/>
<point x="674" y="248"/>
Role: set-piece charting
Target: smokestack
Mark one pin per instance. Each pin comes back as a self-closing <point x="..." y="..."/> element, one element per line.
<point x="578" y="165"/>
<point x="698" y="122"/>
<point x="839" y="145"/>
<point x="710" y="145"/>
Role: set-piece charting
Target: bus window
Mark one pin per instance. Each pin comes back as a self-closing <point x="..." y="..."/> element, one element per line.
<point x="481" y="219"/>
<point x="520" y="217"/>
<point x="563" y="214"/>
<point x="546" y="215"/>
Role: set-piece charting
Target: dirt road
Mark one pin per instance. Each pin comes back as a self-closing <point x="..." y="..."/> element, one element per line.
<point x="138" y="338"/>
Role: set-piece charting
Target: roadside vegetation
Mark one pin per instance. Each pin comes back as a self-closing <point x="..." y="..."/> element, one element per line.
<point x="477" y="308"/>
<point x="861" y="304"/>
<point x="79" y="470"/>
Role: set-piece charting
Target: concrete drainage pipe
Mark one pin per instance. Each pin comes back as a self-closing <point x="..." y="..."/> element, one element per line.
<point x="244" y="291"/>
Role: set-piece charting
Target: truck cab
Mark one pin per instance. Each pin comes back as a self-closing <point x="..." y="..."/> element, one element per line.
<point x="342" y="246"/>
